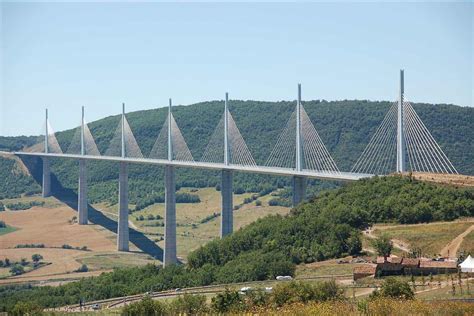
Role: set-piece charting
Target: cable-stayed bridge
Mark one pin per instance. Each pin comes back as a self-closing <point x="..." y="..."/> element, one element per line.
<point x="401" y="143"/>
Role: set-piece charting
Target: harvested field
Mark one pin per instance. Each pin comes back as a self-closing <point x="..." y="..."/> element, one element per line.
<point x="451" y="179"/>
<point x="52" y="227"/>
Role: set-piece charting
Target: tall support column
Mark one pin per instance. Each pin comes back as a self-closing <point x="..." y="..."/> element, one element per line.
<point x="299" y="143"/>
<point x="46" y="168"/>
<point x="82" y="196"/>
<point x="122" y="231"/>
<point x="299" y="182"/>
<point x="46" y="178"/>
<point x="227" y="216"/>
<point x="299" y="189"/>
<point x="401" y="147"/>
<point x="169" y="257"/>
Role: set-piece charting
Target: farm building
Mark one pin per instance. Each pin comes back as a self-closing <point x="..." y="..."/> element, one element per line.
<point x="404" y="266"/>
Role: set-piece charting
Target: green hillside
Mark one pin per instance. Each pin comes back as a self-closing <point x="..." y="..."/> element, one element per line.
<point x="326" y="227"/>
<point x="344" y="126"/>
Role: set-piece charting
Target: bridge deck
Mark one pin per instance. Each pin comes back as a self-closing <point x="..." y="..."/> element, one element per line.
<point x="328" y="175"/>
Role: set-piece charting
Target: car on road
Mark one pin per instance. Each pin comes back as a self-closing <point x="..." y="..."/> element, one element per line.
<point x="284" y="278"/>
<point x="245" y="289"/>
<point x="95" y="306"/>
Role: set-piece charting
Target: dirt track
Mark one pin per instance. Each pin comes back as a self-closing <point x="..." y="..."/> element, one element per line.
<point x="452" y="247"/>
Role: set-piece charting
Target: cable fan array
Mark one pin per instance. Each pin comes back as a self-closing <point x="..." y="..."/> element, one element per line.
<point x="90" y="147"/>
<point x="423" y="152"/>
<point x="238" y="150"/>
<point x="315" y="155"/>
<point x="379" y="156"/>
<point x="179" y="148"/>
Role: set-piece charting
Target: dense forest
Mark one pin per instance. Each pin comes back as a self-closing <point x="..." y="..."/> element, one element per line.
<point x="328" y="226"/>
<point x="344" y="126"/>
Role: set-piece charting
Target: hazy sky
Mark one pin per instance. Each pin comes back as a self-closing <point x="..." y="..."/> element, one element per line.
<point x="64" y="55"/>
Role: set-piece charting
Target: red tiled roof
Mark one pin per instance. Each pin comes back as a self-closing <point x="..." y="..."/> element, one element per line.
<point x="410" y="261"/>
<point x="391" y="259"/>
<point x="396" y="260"/>
<point x="365" y="269"/>
<point x="438" y="264"/>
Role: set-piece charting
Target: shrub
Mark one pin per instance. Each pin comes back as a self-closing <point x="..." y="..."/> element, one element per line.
<point x="302" y="292"/>
<point x="146" y="306"/>
<point x="258" y="203"/>
<point x="188" y="304"/>
<point x="2" y="207"/>
<point x="227" y="302"/>
<point x="17" y="269"/>
<point x="26" y="308"/>
<point x="395" y="288"/>
<point x="29" y="246"/>
<point x="83" y="268"/>
<point x="66" y="246"/>
<point x="383" y="245"/>
<point x="209" y="218"/>
<point x="2" y="224"/>
<point x="279" y="202"/>
<point x="36" y="257"/>
<point x="20" y="206"/>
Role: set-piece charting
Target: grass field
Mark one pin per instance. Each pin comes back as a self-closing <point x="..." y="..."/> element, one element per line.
<point x="447" y="292"/>
<point x="431" y="238"/>
<point x="49" y="202"/>
<point x="6" y="230"/>
<point x="467" y="246"/>
<point x="191" y="232"/>
<point x="111" y="260"/>
<point x="329" y="267"/>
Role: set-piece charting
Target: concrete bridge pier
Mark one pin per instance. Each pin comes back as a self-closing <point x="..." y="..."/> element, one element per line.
<point x="46" y="178"/>
<point x="82" y="196"/>
<point x="227" y="216"/>
<point x="299" y="189"/>
<point x="122" y="230"/>
<point x="169" y="256"/>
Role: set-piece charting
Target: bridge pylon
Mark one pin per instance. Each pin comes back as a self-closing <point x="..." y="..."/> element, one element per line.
<point x="82" y="192"/>
<point x="227" y="216"/>
<point x="46" y="188"/>
<point x="299" y="182"/>
<point x="122" y="229"/>
<point x="401" y="146"/>
<point x="169" y="256"/>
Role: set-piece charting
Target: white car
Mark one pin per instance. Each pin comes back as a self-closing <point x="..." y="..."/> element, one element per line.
<point x="268" y="289"/>
<point x="284" y="278"/>
<point x="96" y="306"/>
<point x="244" y="290"/>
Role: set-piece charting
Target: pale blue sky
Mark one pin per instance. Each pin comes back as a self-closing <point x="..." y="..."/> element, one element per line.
<point x="64" y="55"/>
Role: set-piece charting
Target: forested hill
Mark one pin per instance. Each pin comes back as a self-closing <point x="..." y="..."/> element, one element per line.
<point x="344" y="126"/>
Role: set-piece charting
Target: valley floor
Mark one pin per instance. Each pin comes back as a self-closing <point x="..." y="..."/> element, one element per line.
<point x="55" y="224"/>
